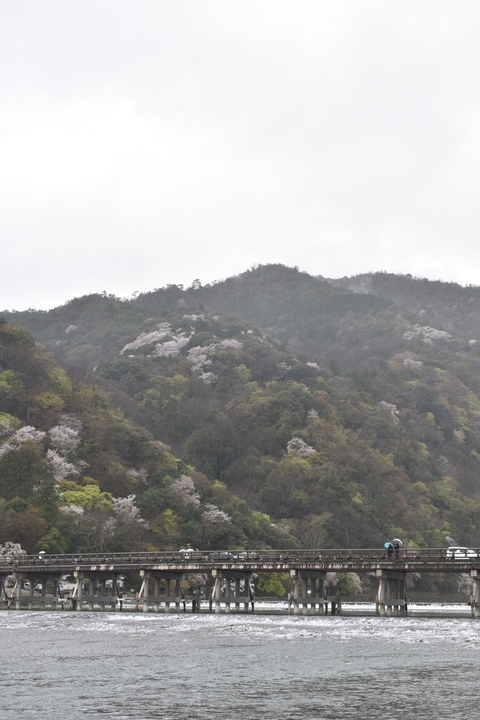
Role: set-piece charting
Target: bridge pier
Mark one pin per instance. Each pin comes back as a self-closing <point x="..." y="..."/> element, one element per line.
<point x="31" y="600"/>
<point x="225" y="579"/>
<point x="303" y="582"/>
<point x="475" y="598"/>
<point x="162" y="592"/>
<point x="91" y="588"/>
<point x="391" y="593"/>
<point x="4" y="596"/>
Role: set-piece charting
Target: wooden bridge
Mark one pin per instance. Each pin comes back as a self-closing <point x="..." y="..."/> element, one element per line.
<point x="98" y="576"/>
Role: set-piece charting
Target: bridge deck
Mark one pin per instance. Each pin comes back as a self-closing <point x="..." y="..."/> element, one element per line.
<point x="330" y="560"/>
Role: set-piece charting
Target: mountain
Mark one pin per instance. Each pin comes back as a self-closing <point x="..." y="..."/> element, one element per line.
<point x="309" y="411"/>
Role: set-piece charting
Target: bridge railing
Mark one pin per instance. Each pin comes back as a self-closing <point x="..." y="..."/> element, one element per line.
<point x="254" y="557"/>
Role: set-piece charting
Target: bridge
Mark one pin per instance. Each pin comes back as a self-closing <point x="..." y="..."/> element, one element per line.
<point x="97" y="577"/>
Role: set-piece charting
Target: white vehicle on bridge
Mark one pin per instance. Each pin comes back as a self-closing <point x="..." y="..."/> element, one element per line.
<point x="461" y="553"/>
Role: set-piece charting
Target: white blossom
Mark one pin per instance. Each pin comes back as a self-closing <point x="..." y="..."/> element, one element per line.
<point x="212" y="515"/>
<point x="63" y="436"/>
<point x="300" y="447"/>
<point x="171" y="347"/>
<point x="27" y="432"/>
<point x="208" y="378"/>
<point x="125" y="507"/>
<point x="283" y="368"/>
<point x="22" y="435"/>
<point x="312" y="414"/>
<point x="184" y="487"/>
<point x="412" y="363"/>
<point x="392" y="409"/>
<point x="70" y="329"/>
<point x="11" y="550"/>
<point x="59" y="466"/>
<point x="141" y="475"/>
<point x="194" y="318"/>
<point x="109" y="526"/>
<point x="200" y="356"/>
<point x="126" y="510"/>
<point x="8" y="447"/>
<point x="6" y="428"/>
<point x="426" y="333"/>
<point x="72" y="509"/>
<point x="230" y="343"/>
<point x="147" y="338"/>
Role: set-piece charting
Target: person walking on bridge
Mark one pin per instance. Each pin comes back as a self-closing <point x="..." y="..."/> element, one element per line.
<point x="389" y="548"/>
<point x="397" y="544"/>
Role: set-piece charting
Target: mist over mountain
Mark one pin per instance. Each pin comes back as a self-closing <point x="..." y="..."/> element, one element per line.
<point x="272" y="408"/>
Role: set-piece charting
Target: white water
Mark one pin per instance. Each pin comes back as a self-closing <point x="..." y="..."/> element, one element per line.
<point x="273" y="667"/>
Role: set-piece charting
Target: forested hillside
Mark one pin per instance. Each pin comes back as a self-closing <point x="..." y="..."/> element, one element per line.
<point x="273" y="408"/>
<point x="77" y="474"/>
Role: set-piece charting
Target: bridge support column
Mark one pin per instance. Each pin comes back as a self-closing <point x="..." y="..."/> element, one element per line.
<point x="33" y="597"/>
<point x="475" y="600"/>
<point x="162" y="594"/>
<point x="96" y="594"/>
<point x="217" y="591"/>
<point x="380" y="606"/>
<point x="238" y="579"/>
<point x="77" y="595"/>
<point x="18" y="593"/>
<point x="145" y="593"/>
<point x="391" y="593"/>
<point x="4" y="596"/>
<point x="308" y="591"/>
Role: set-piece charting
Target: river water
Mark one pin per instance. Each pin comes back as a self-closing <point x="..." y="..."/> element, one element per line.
<point x="269" y="667"/>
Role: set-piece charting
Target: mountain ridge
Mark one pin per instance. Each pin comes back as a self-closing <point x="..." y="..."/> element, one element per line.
<point x="343" y="416"/>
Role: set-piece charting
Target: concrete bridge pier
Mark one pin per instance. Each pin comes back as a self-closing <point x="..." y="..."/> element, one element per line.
<point x="237" y="589"/>
<point x="91" y="588"/>
<point x="391" y="593"/>
<point x="475" y="599"/>
<point x="162" y="582"/>
<point x="42" y="581"/>
<point x="46" y="580"/>
<point x="4" y="594"/>
<point x="308" y="591"/>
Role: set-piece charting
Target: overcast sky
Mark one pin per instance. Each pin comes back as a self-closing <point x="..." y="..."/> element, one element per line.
<point x="149" y="142"/>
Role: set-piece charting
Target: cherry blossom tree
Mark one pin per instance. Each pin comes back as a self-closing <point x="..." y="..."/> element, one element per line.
<point x="299" y="446"/>
<point x="11" y="550"/>
<point x="212" y="515"/>
<point x="184" y="487"/>
<point x="65" y="436"/>
<point x="22" y="435"/>
<point x="125" y="509"/>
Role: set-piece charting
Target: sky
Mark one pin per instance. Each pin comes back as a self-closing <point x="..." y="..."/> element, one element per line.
<point x="153" y="142"/>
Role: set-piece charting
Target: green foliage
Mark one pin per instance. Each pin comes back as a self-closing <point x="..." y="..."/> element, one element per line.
<point x="90" y="497"/>
<point x="384" y="407"/>
<point x="21" y="470"/>
<point x="52" y="542"/>
<point x="273" y="584"/>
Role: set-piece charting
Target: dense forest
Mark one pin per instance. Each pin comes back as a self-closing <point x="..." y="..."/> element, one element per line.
<point x="271" y="409"/>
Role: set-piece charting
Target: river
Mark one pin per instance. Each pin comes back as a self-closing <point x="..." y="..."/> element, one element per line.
<point x="269" y="667"/>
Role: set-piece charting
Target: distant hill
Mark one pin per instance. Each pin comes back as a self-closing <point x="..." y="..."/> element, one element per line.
<point x="320" y="412"/>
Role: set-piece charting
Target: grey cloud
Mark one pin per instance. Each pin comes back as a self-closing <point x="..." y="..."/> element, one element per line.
<point x="145" y="143"/>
